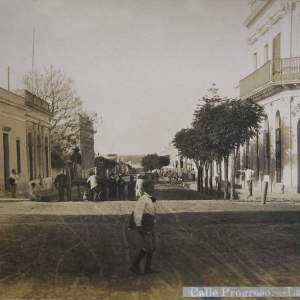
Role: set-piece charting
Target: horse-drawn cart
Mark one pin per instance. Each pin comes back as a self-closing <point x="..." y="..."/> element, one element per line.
<point x="100" y="173"/>
<point x="170" y="175"/>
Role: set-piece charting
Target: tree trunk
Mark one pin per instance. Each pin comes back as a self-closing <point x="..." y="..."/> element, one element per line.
<point x="233" y="172"/>
<point x="200" y="172"/>
<point x="226" y="178"/>
<point x="220" y="180"/>
<point x="198" y="179"/>
<point x="206" y="166"/>
<point x="211" y="179"/>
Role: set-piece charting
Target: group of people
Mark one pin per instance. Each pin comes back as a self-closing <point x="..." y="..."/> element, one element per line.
<point x="13" y="185"/>
<point x="116" y="187"/>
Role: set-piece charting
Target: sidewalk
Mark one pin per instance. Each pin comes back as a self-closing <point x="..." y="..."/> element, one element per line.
<point x="242" y="194"/>
<point x="47" y="196"/>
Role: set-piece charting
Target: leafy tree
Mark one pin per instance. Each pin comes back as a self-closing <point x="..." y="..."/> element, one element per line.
<point x="193" y="146"/>
<point x="163" y="160"/>
<point x="220" y="127"/>
<point x="206" y="116"/>
<point x="238" y="125"/>
<point x="227" y="124"/>
<point x="108" y="163"/>
<point x="150" y="162"/>
<point x="55" y="87"/>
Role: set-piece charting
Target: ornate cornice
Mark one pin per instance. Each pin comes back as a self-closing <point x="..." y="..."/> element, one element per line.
<point x="257" y="13"/>
<point x="285" y="9"/>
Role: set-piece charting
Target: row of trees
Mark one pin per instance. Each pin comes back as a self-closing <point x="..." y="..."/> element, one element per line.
<point x="153" y="161"/>
<point x="56" y="88"/>
<point x="220" y="127"/>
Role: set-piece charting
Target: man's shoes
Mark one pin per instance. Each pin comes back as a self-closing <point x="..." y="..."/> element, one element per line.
<point x="135" y="269"/>
<point x="150" y="271"/>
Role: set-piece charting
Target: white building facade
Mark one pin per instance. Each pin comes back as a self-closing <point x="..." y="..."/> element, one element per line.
<point x="274" y="81"/>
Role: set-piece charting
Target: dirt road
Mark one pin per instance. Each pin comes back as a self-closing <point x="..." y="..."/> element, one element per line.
<point x="79" y="250"/>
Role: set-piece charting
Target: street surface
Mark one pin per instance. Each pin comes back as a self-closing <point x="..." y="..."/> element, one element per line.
<point x="83" y="250"/>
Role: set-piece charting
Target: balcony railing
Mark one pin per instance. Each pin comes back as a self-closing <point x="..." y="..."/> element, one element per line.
<point x="285" y="70"/>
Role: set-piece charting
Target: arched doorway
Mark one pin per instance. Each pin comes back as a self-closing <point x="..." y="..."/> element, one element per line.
<point x="266" y="146"/>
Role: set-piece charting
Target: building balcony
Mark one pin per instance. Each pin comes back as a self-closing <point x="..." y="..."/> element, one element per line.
<point x="271" y="78"/>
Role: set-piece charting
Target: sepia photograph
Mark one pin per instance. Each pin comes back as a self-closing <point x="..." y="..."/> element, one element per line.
<point x="149" y="149"/>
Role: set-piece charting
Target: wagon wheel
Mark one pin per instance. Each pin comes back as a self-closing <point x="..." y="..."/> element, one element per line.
<point x="69" y="182"/>
<point x="170" y="177"/>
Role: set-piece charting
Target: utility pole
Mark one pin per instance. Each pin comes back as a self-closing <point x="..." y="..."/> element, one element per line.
<point x="8" y="78"/>
<point x="32" y="65"/>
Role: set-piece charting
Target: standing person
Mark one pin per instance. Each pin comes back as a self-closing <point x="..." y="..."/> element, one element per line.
<point x="131" y="188"/>
<point x="193" y="174"/>
<point x="156" y="176"/>
<point x="217" y="177"/>
<point x="138" y="186"/>
<point x="112" y="187"/>
<point x="144" y="217"/>
<point x="76" y="162"/>
<point x="60" y="183"/>
<point x="93" y="184"/>
<point x="249" y="178"/>
<point x="13" y="181"/>
<point x="121" y="187"/>
<point x="33" y="195"/>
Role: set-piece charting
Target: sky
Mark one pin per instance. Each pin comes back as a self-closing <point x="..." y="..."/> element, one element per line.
<point x="142" y="65"/>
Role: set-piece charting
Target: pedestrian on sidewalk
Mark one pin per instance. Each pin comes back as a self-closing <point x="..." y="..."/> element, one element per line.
<point x="13" y="180"/>
<point x="138" y="186"/>
<point x="249" y="178"/>
<point x="131" y="188"/>
<point x="193" y="174"/>
<point x="121" y="187"/>
<point x="60" y="183"/>
<point x="217" y="177"/>
<point x="93" y="185"/>
<point x="112" y="187"/>
<point x="33" y="195"/>
<point x="144" y="218"/>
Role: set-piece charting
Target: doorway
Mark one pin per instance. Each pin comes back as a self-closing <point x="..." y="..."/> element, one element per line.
<point x="6" y="160"/>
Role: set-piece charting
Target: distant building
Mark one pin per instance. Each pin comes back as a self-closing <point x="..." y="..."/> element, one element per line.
<point x="26" y="139"/>
<point x="182" y="164"/>
<point x="86" y="141"/>
<point x="274" y="81"/>
<point x="112" y="156"/>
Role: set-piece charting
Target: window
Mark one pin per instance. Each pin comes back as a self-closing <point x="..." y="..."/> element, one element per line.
<point x="266" y="54"/>
<point x="30" y="156"/>
<point x="18" y="156"/>
<point x="278" y="146"/>
<point x="47" y="156"/>
<point x="254" y="61"/>
<point x="39" y="148"/>
<point x="266" y="146"/>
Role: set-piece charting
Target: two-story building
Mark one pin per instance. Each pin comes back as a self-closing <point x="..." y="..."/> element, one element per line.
<point x="274" y="81"/>
<point x="25" y="143"/>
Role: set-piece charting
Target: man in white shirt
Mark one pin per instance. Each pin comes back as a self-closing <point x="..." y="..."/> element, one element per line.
<point x="33" y="195"/>
<point x="249" y="177"/>
<point x="13" y="180"/>
<point x="93" y="183"/>
<point x="144" y="217"/>
<point x="138" y="186"/>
